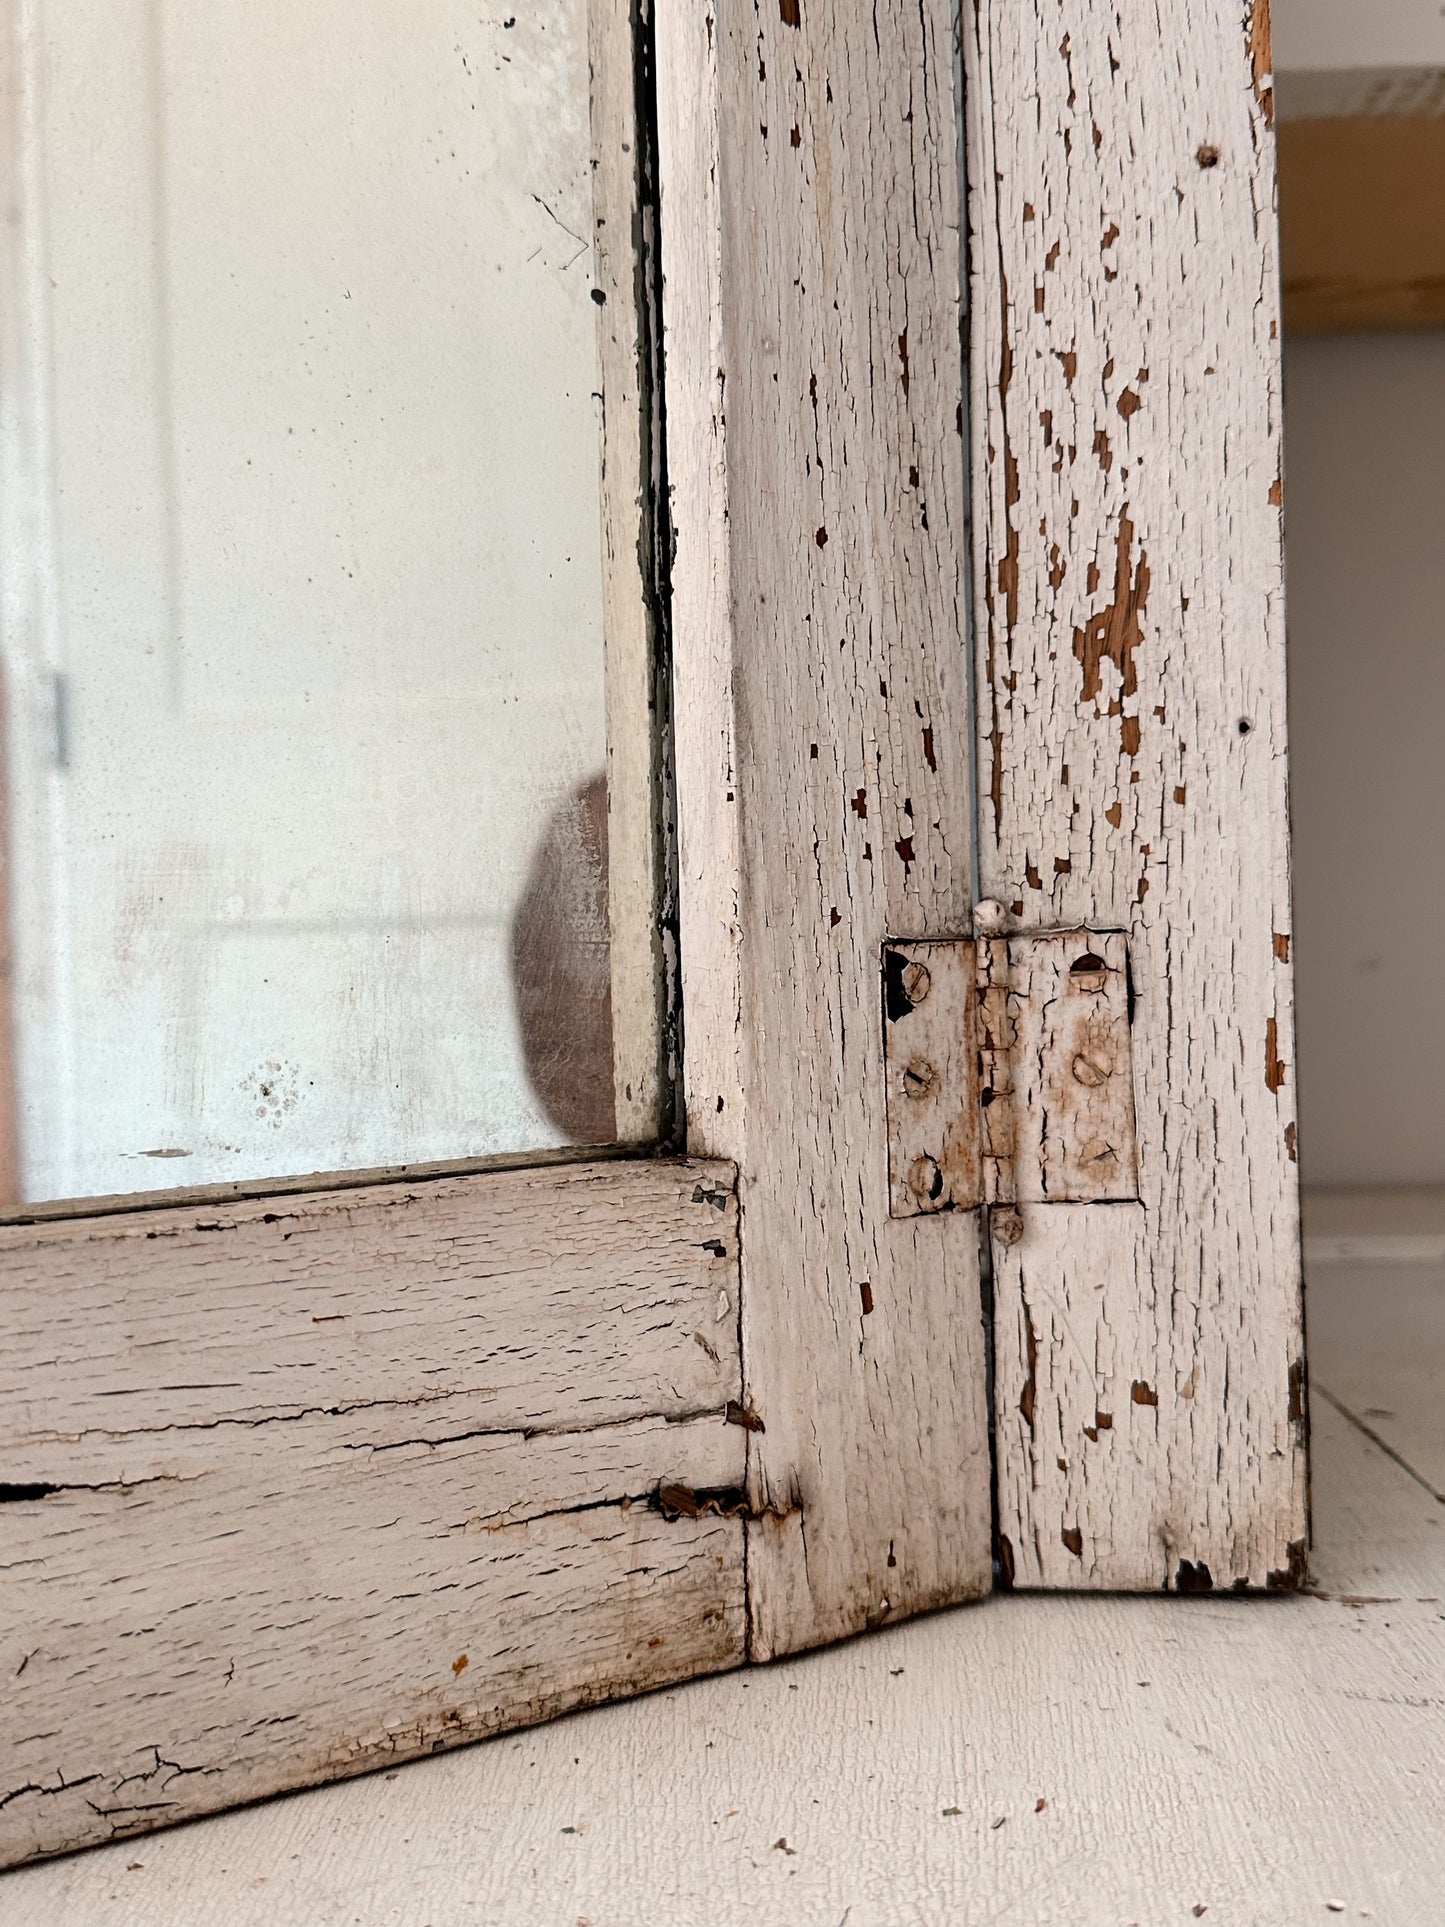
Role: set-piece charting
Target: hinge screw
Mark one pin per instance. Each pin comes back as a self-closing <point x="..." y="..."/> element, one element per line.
<point x="919" y="1078"/>
<point x="925" y="1181"/>
<point x="1007" y="1224"/>
<point x="916" y="982"/>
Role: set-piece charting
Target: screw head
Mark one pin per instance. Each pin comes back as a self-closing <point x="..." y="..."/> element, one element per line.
<point x="988" y="917"/>
<point x="916" y="982"/>
<point x="1006" y="1223"/>
<point x="1088" y="973"/>
<point x="1087" y="1071"/>
<point x="919" y="1078"/>
<point x="1098" y="1150"/>
<point x="925" y="1181"/>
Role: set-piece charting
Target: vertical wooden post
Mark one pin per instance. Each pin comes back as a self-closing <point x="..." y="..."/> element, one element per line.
<point x="1126" y="455"/>
<point x="811" y="286"/>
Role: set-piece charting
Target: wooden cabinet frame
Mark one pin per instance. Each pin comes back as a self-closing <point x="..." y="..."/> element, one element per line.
<point x="1127" y="488"/>
<point x="305" y="1482"/>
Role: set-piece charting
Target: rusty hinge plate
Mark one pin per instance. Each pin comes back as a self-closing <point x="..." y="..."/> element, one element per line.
<point x="930" y="1036"/>
<point x="1010" y="1079"/>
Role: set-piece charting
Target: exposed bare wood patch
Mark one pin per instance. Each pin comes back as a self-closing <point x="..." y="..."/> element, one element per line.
<point x="678" y="1501"/>
<point x="1274" y="1065"/>
<point x="1114" y="633"/>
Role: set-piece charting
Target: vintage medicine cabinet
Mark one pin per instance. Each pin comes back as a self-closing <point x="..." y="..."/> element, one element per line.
<point x="411" y="413"/>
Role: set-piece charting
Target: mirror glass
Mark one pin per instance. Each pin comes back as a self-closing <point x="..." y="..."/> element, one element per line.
<point x="306" y="734"/>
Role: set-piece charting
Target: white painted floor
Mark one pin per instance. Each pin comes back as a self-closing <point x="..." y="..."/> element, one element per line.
<point x="1035" y="1760"/>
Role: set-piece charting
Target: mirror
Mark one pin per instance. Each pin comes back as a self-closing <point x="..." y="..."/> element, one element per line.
<point x="306" y="589"/>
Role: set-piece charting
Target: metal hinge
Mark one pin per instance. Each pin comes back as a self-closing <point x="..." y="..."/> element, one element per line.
<point x="1010" y="1079"/>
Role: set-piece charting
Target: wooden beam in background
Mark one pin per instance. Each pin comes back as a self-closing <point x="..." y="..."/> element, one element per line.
<point x="1362" y="222"/>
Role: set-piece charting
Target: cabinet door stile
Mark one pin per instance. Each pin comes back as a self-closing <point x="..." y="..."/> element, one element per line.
<point x="810" y="214"/>
<point x="1125" y="368"/>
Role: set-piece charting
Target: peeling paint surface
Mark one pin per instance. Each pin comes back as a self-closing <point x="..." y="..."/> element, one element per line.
<point x="810" y="218"/>
<point x="1126" y="461"/>
<point x="322" y="1482"/>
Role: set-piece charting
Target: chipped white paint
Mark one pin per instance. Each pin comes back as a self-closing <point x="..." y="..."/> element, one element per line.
<point x="279" y="1466"/>
<point x="1131" y="731"/>
<point x="381" y="1432"/>
<point x="513" y="1300"/>
<point x="1028" y="1761"/>
<point x="296" y="1486"/>
<point x="811" y="273"/>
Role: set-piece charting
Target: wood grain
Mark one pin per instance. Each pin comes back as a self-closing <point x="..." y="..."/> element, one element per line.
<point x="1125" y="385"/>
<point x="811" y="298"/>
<point x="269" y="1473"/>
<point x="572" y="1296"/>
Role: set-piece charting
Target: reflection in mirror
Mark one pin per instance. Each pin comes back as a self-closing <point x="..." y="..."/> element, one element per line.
<point x="304" y="583"/>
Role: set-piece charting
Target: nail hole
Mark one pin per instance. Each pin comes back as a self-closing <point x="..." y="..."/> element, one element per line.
<point x="1245" y="725"/>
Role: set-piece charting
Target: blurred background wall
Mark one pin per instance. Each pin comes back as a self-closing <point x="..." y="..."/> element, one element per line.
<point x="1361" y="93"/>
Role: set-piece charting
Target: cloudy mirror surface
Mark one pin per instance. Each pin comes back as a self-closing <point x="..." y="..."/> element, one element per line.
<point x="302" y="591"/>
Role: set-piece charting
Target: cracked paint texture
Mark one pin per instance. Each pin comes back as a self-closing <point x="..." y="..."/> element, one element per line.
<point x="1125" y="385"/>
<point x="271" y="1466"/>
